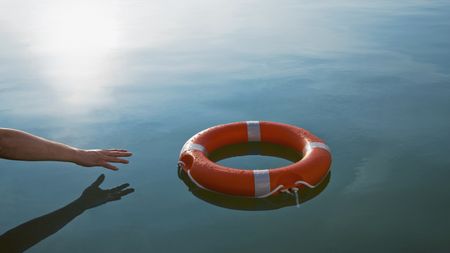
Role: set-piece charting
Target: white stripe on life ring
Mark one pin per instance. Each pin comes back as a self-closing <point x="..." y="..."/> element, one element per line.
<point x="262" y="182"/>
<point x="319" y="145"/>
<point x="193" y="146"/>
<point x="253" y="131"/>
<point x="308" y="148"/>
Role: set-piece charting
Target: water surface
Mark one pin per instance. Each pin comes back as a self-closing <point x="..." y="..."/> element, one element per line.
<point x="370" y="78"/>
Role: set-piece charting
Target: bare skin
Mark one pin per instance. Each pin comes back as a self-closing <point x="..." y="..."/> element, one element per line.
<point x="19" y="145"/>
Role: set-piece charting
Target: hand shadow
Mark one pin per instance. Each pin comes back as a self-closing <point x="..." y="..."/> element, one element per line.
<point x="32" y="232"/>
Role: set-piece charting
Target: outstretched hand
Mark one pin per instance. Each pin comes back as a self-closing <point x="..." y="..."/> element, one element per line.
<point x="94" y="196"/>
<point x="101" y="157"/>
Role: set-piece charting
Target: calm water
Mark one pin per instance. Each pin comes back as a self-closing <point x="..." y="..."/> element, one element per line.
<point x="370" y="78"/>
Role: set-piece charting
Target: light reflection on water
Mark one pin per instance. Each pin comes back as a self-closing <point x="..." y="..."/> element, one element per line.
<point x="81" y="50"/>
<point x="71" y="48"/>
<point x="371" y="79"/>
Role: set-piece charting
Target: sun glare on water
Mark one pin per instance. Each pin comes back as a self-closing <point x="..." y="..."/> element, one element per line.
<point x="76" y="43"/>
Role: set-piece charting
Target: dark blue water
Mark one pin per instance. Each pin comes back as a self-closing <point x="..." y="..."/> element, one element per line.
<point x="371" y="79"/>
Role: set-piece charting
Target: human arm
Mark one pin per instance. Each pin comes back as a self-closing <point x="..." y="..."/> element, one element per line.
<point x="19" y="145"/>
<point x="32" y="232"/>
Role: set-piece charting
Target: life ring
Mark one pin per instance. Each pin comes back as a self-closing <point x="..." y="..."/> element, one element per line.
<point x="252" y="204"/>
<point x="310" y="171"/>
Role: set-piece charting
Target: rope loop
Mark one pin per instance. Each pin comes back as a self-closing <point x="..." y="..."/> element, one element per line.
<point x="297" y="200"/>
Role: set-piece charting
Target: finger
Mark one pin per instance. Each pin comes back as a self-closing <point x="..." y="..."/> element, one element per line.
<point x="99" y="181"/>
<point x="109" y="166"/>
<point x="118" y="150"/>
<point x="116" y="160"/>
<point x="126" y="192"/>
<point x="122" y="193"/>
<point x="119" y="153"/>
<point x="119" y="188"/>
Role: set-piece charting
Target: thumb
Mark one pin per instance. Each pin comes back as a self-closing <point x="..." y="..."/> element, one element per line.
<point x="99" y="181"/>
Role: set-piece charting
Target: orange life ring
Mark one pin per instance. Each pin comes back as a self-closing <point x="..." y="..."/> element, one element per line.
<point x="309" y="171"/>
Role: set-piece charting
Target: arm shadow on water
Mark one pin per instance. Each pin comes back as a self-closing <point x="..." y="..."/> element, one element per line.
<point x="32" y="232"/>
<point x="273" y="202"/>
